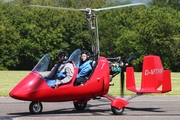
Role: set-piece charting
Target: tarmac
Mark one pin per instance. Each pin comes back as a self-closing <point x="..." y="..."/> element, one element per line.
<point x="142" y="107"/>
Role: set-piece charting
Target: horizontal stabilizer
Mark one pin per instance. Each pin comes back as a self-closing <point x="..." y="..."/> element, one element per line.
<point x="153" y="77"/>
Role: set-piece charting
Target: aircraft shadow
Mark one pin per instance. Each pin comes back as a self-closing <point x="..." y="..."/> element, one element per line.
<point x="144" y="109"/>
<point x="156" y="112"/>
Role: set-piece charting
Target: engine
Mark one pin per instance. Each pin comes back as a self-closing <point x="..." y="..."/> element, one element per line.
<point x="115" y="65"/>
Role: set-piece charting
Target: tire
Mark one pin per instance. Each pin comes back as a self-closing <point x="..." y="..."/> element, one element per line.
<point x="117" y="111"/>
<point x="80" y="106"/>
<point x="35" y="107"/>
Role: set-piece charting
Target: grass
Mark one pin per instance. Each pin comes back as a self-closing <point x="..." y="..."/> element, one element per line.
<point x="8" y="79"/>
<point x="115" y="90"/>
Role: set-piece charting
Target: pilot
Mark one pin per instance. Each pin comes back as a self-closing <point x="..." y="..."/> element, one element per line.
<point x="84" y="67"/>
<point x="62" y="72"/>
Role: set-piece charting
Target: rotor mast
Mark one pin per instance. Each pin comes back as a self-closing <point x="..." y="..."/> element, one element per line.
<point x="92" y="21"/>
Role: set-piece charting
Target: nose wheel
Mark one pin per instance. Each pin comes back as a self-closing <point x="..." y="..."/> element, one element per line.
<point x="35" y="107"/>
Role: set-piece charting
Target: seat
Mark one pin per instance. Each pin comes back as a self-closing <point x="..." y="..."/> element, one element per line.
<point x="80" y="81"/>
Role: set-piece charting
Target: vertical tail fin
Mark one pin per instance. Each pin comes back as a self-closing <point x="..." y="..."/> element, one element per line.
<point x="152" y="72"/>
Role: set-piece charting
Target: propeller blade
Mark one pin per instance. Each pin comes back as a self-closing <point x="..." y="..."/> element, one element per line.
<point x="122" y="83"/>
<point x="133" y="56"/>
<point x="119" y="6"/>
<point x="57" y="8"/>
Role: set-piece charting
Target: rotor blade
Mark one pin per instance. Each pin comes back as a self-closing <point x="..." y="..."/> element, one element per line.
<point x="57" y="8"/>
<point x="120" y="6"/>
<point x="122" y="83"/>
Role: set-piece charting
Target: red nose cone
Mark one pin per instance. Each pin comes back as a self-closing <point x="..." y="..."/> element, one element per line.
<point x="20" y="91"/>
<point x="27" y="87"/>
<point x="16" y="94"/>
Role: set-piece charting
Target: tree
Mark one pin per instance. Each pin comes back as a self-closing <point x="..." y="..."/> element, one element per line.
<point x="28" y="33"/>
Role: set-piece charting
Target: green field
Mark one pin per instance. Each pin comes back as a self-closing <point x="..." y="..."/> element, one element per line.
<point x="115" y="90"/>
<point x="8" y="79"/>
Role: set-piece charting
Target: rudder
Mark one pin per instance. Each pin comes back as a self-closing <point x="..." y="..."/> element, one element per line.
<point x="152" y="72"/>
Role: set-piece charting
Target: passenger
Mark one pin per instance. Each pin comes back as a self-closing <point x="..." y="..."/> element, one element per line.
<point x="84" y="67"/>
<point x="62" y="72"/>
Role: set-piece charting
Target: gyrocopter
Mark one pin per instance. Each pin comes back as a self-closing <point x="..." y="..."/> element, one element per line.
<point x="34" y="88"/>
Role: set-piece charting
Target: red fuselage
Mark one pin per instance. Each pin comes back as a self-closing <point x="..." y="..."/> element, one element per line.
<point x="34" y="88"/>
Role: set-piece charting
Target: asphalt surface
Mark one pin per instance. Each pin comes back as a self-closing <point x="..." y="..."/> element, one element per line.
<point x="140" y="108"/>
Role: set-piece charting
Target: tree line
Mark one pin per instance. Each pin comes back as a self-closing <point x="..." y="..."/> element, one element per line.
<point x="26" y="33"/>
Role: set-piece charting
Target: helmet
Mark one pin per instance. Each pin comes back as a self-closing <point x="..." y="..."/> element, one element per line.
<point x="86" y="52"/>
<point x="63" y="54"/>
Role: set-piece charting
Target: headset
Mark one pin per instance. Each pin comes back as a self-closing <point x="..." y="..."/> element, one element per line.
<point x="63" y="54"/>
<point x="86" y="52"/>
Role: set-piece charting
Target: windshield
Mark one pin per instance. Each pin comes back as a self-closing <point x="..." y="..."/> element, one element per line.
<point x="75" y="56"/>
<point x="43" y="63"/>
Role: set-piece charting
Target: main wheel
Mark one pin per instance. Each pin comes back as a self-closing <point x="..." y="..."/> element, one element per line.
<point x="117" y="111"/>
<point x="35" y="107"/>
<point x="80" y="106"/>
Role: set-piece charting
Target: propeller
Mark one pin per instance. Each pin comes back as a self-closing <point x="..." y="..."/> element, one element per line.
<point x="122" y="79"/>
